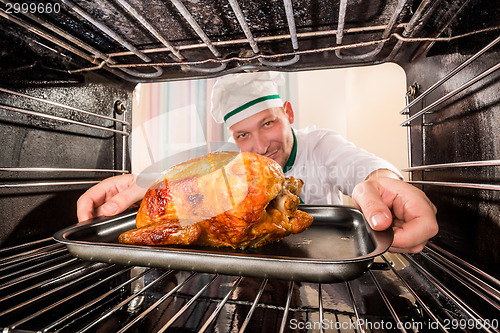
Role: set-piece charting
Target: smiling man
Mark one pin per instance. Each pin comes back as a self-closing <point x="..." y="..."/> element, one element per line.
<point x="261" y="122"/>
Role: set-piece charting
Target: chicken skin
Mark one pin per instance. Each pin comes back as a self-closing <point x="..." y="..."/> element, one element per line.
<point x="222" y="199"/>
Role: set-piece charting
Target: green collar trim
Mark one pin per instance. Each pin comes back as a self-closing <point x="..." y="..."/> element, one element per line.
<point x="293" y="154"/>
<point x="249" y="104"/>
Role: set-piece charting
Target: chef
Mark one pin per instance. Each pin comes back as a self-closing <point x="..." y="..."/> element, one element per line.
<point x="261" y="122"/>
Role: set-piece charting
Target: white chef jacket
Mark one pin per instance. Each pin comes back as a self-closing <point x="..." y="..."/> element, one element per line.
<point x="329" y="165"/>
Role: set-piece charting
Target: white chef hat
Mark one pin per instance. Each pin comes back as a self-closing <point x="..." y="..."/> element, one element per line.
<point x="238" y="96"/>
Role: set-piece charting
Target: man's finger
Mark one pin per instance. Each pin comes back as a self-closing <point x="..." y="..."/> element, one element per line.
<point x="367" y="198"/>
<point x="413" y="249"/>
<point x="122" y="200"/>
<point x="84" y="209"/>
<point x="415" y="232"/>
<point x="92" y="198"/>
<point x="89" y="204"/>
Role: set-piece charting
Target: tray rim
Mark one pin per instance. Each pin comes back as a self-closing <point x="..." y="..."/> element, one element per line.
<point x="383" y="240"/>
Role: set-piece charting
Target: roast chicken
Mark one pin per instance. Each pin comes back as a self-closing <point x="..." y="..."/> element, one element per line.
<point x="224" y="199"/>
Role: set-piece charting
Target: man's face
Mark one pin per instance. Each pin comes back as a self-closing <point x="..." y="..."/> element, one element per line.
<point x="266" y="133"/>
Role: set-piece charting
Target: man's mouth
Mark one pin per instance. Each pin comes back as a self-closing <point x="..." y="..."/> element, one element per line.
<point x="272" y="155"/>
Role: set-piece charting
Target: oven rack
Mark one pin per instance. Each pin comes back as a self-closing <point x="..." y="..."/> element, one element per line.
<point x="124" y="132"/>
<point x="107" y="61"/>
<point x="43" y="288"/>
<point x="452" y="93"/>
<point x="250" y="54"/>
<point x="432" y="108"/>
<point x="63" y="119"/>
<point x="445" y="78"/>
<point x="467" y="164"/>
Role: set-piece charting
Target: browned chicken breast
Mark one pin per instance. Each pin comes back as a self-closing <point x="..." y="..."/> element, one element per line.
<point x="222" y="199"/>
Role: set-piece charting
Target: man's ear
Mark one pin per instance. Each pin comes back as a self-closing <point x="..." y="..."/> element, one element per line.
<point x="287" y="106"/>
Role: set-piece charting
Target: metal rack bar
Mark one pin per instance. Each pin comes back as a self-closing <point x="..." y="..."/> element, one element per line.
<point x="42" y="283"/>
<point x="463" y="263"/>
<point x="341" y="22"/>
<point x="253" y="44"/>
<point x="31" y="267"/>
<point x="417" y="298"/>
<point x="25" y="245"/>
<point x="199" y="31"/>
<point x="22" y="256"/>
<point x="254" y="305"/>
<point x="130" y="298"/>
<point x="188" y="304"/>
<point x="40" y="272"/>
<point x="25" y="185"/>
<point x="408" y="130"/>
<point x="469" y="281"/>
<point x="192" y="22"/>
<point x="311" y="34"/>
<point x="151" y="29"/>
<point x="246" y="29"/>
<point x="161" y="300"/>
<point x="293" y="35"/>
<point x="385" y="34"/>
<point x="133" y="50"/>
<point x="320" y="306"/>
<point x="287" y="306"/>
<point x="62" y="170"/>
<point x="50" y="292"/>
<point x="99" y="282"/>
<point x="415" y="22"/>
<point x="69" y="121"/>
<point x="49" y="37"/>
<point x="124" y="144"/>
<point x="454" y="165"/>
<point x="449" y="18"/>
<point x="459" y="185"/>
<point x="43" y="34"/>
<point x="358" y="324"/>
<point x="449" y="294"/>
<point x="219" y="307"/>
<point x="300" y="52"/>
<point x="62" y="106"/>
<point x="452" y="93"/>
<point x="29" y="259"/>
<point x="87" y="306"/>
<point x="451" y="74"/>
<point x="104" y="28"/>
<point x="387" y="302"/>
<point x="256" y="57"/>
<point x="93" y="307"/>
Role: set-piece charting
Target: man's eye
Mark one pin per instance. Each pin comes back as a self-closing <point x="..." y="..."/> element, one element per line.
<point x="242" y="135"/>
<point x="267" y="123"/>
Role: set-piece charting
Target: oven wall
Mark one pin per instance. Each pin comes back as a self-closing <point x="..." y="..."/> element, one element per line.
<point x="464" y="128"/>
<point x="31" y="209"/>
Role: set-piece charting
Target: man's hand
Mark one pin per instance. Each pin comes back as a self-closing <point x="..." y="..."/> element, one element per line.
<point x="109" y="197"/>
<point x="386" y="201"/>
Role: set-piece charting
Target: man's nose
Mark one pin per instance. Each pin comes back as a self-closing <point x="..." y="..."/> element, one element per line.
<point x="261" y="145"/>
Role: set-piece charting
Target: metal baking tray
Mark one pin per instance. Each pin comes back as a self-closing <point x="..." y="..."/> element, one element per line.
<point x="338" y="246"/>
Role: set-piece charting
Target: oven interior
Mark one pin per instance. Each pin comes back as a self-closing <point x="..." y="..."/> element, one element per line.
<point x="68" y="74"/>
